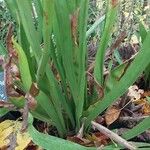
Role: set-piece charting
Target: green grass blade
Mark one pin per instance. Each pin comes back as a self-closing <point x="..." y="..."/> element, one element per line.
<point x="50" y="142"/>
<point x="81" y="60"/>
<point x="39" y="17"/>
<point x="46" y="103"/>
<point x="22" y="40"/>
<point x="62" y="32"/>
<point x="23" y="66"/>
<point x="3" y="111"/>
<point x="2" y="50"/>
<point x="133" y="71"/>
<point x="48" y="9"/>
<point x="99" y="61"/>
<point x="138" y="129"/>
<point x="142" y="32"/>
<point x="114" y="76"/>
<point x="97" y="23"/>
<point x="54" y="92"/>
<point x="25" y="14"/>
<point x="12" y="6"/>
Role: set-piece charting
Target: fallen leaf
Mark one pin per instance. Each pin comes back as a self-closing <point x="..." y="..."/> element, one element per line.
<point x="146" y="94"/>
<point x="135" y="93"/>
<point x="112" y="114"/>
<point x="146" y="105"/>
<point x="98" y="139"/>
<point x="134" y="39"/>
<point x="10" y="128"/>
<point x="81" y="141"/>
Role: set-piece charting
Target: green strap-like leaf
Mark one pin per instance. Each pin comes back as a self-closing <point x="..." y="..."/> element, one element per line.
<point x="48" y="10"/>
<point x="99" y="61"/>
<point x="138" y="129"/>
<point x="134" y="70"/>
<point x="50" y="142"/>
<point x="25" y="14"/>
<point x="23" y="66"/>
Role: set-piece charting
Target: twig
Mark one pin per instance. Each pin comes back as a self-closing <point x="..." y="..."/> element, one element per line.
<point x="113" y="136"/>
<point x="13" y="141"/>
<point x="25" y="117"/>
<point x="132" y="118"/>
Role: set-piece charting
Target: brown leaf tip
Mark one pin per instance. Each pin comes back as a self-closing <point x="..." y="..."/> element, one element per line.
<point x="114" y="3"/>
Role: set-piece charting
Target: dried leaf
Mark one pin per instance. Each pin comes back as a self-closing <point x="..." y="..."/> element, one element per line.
<point x="135" y="93"/>
<point x="101" y="138"/>
<point x="34" y="91"/>
<point x="10" y="128"/>
<point x="97" y="139"/>
<point x="10" y="68"/>
<point x="146" y="93"/>
<point x="8" y="105"/>
<point x="146" y="105"/>
<point x="32" y="103"/>
<point x="134" y="39"/>
<point x="114" y="3"/>
<point x="74" y="25"/>
<point x="112" y="114"/>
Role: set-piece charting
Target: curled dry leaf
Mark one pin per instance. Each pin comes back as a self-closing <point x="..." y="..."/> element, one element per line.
<point x="34" y="90"/>
<point x="135" y="93"/>
<point x="81" y="141"/>
<point x="146" y="105"/>
<point x="6" y="105"/>
<point x="112" y="114"/>
<point x="146" y="94"/>
<point x="11" y="71"/>
<point x="98" y="139"/>
<point x="32" y="103"/>
<point x="11" y="128"/>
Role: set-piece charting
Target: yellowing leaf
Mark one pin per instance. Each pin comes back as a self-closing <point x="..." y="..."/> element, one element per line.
<point x="112" y="114"/>
<point x="10" y="128"/>
<point x="146" y="106"/>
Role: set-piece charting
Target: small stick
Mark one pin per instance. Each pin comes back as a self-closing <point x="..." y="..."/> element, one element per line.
<point x="137" y="119"/>
<point x="25" y="117"/>
<point x="113" y="136"/>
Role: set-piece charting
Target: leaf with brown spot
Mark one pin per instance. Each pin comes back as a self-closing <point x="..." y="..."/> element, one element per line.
<point x="112" y="114"/>
<point x="74" y="26"/>
<point x="32" y="103"/>
<point x="114" y="3"/>
<point x="34" y="90"/>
